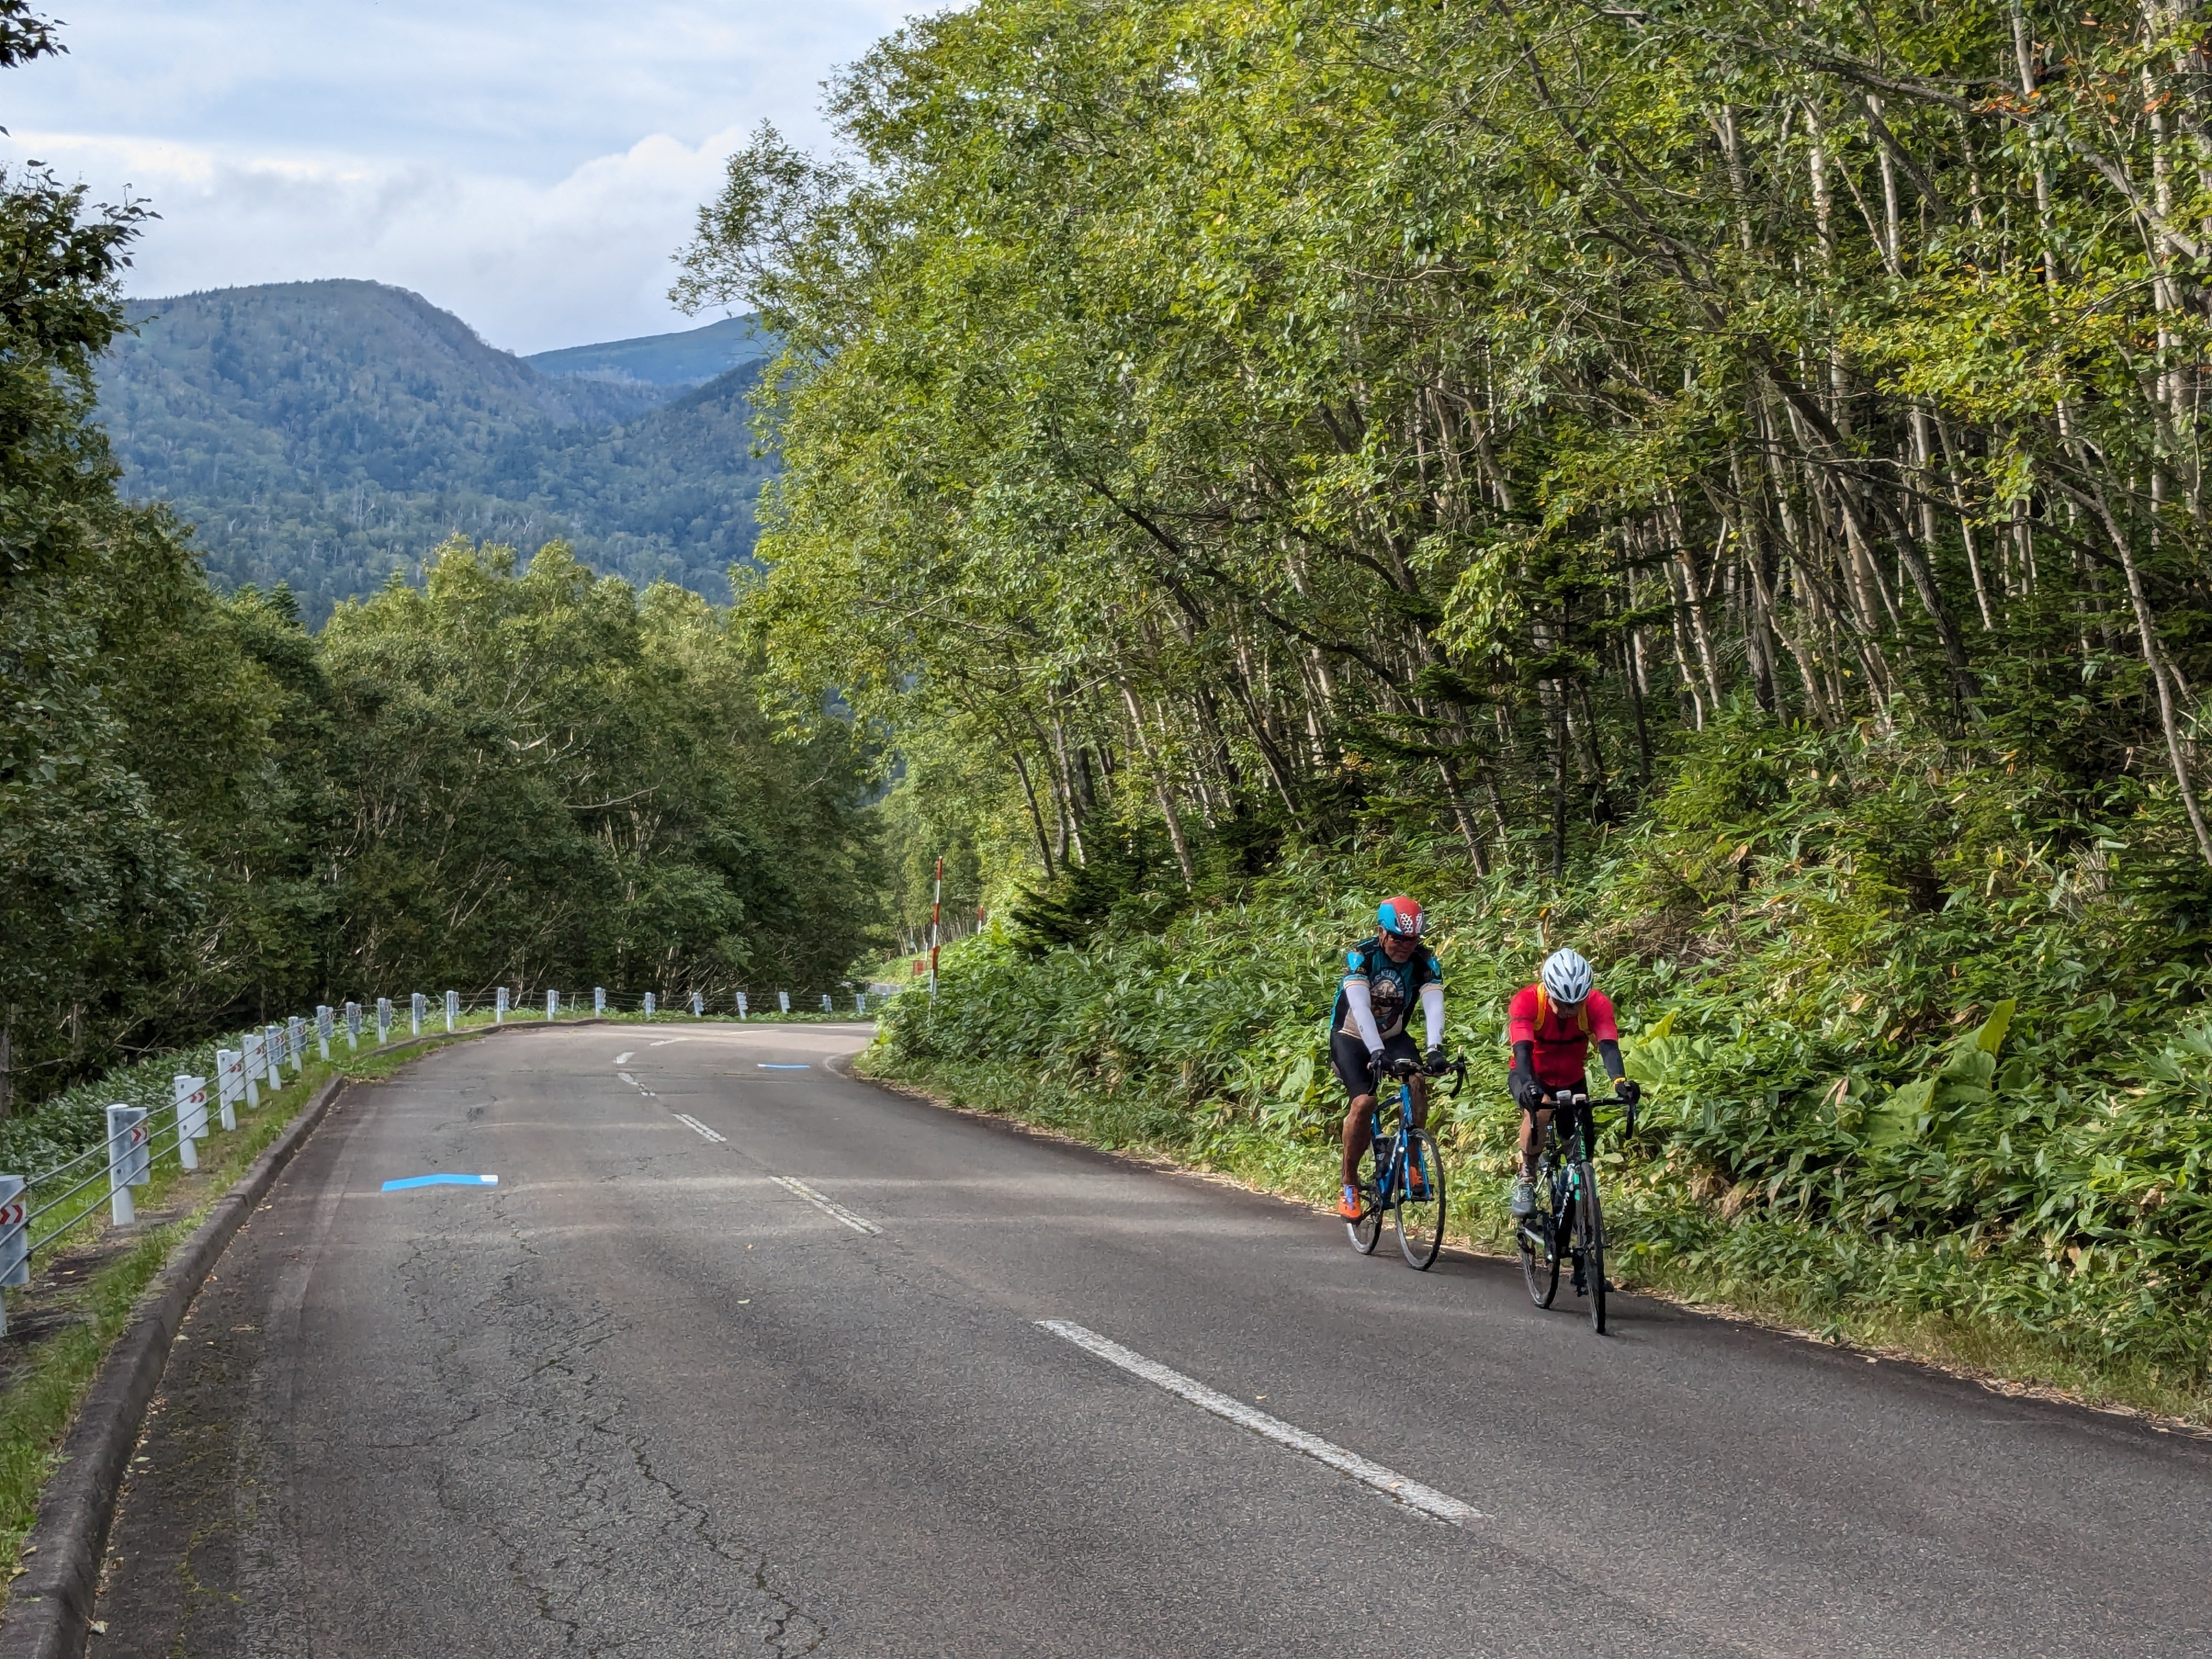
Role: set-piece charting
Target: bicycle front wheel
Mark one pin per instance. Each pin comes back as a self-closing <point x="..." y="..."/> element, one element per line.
<point x="1590" y="1238"/>
<point x="1539" y="1246"/>
<point x="1421" y="1206"/>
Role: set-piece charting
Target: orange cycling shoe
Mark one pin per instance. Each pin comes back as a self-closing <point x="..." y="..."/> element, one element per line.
<point x="1417" y="1185"/>
<point x="1348" y="1206"/>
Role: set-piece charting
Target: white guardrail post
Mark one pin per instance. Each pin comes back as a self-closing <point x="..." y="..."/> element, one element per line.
<point x="453" y="1006"/>
<point x="698" y="1006"/>
<point x="552" y="1005"/>
<point x="599" y="1000"/>
<point x="825" y="1004"/>
<point x="353" y="1026"/>
<point x="324" y="1029"/>
<point x="648" y="1005"/>
<point x="272" y="1043"/>
<point x="229" y="1084"/>
<point x="498" y="1008"/>
<point x="783" y="1001"/>
<point x="130" y="1161"/>
<point x="295" y="1043"/>
<point x="191" y="1117"/>
<point x="253" y="1055"/>
<point x="383" y="1021"/>
<point x="414" y="1011"/>
<point x="15" y="1240"/>
<point x="860" y="1003"/>
<point x="741" y="1005"/>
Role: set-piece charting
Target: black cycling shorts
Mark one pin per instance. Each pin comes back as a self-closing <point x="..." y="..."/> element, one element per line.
<point x="1348" y="1053"/>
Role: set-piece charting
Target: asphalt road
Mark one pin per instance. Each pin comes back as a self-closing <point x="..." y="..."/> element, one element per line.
<point x="644" y="1399"/>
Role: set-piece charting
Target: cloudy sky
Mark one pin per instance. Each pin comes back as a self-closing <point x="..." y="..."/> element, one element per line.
<point x="531" y="164"/>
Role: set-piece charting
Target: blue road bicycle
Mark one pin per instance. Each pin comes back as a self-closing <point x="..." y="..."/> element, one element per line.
<point x="1568" y="1223"/>
<point x="1402" y="1174"/>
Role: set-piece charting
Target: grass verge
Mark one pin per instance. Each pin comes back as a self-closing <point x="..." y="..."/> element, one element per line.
<point x="2007" y="1359"/>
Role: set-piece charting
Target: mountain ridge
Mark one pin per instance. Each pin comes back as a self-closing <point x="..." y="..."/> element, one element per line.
<point x="690" y="357"/>
<point x="326" y="433"/>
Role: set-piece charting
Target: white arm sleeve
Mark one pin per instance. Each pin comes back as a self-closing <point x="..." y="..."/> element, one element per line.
<point x="1432" y="1012"/>
<point x="1363" y="1013"/>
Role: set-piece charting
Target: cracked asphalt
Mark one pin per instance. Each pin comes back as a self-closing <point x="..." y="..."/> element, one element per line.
<point x="641" y="1399"/>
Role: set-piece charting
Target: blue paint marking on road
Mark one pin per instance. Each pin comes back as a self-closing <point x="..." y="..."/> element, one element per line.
<point x="771" y="1065"/>
<point x="442" y="1180"/>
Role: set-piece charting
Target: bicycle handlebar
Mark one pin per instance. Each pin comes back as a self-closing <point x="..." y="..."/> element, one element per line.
<point x="1405" y="1070"/>
<point x="1568" y="1097"/>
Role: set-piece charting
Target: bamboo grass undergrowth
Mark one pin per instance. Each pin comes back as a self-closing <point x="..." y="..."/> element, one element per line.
<point x="1928" y="1061"/>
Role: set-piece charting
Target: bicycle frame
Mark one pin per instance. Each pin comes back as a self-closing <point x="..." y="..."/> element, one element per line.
<point x="1387" y="1174"/>
<point x="1564" y="1166"/>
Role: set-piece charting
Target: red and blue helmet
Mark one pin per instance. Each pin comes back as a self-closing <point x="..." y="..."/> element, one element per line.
<point x="1401" y="916"/>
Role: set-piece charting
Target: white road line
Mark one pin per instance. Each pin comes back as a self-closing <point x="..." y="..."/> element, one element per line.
<point x="1426" y="1500"/>
<point x="623" y="1058"/>
<point x="686" y="1117"/>
<point x="835" y="1211"/>
<point x="665" y="1041"/>
<point x="627" y="1077"/>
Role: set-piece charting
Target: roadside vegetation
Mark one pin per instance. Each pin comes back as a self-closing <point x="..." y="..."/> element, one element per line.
<point x="1718" y="486"/>
<point x="1936" y="1127"/>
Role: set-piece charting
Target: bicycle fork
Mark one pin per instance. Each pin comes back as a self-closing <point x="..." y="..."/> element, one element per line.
<point x="1565" y="1226"/>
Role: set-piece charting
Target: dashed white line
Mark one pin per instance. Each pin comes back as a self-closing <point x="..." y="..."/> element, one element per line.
<point x="686" y="1118"/>
<point x="665" y="1041"/>
<point x="835" y="1210"/>
<point x="624" y="1058"/>
<point x="628" y="1079"/>
<point x="1424" y="1500"/>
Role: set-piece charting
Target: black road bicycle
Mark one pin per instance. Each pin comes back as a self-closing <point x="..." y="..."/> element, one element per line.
<point x="1404" y="1175"/>
<point x="1568" y="1222"/>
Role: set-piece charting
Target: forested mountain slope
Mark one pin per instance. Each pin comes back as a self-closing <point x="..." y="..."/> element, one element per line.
<point x="327" y="434"/>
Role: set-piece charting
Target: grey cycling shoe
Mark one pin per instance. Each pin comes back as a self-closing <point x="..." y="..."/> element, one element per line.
<point x="1524" y="1197"/>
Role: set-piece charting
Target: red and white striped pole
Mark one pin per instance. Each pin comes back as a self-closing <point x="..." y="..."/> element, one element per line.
<point x="936" y="909"/>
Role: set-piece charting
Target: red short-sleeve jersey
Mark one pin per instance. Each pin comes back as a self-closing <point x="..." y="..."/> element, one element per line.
<point x="1562" y="1041"/>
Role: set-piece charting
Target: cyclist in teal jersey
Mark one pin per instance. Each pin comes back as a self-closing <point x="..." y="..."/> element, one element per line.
<point x="1367" y="1028"/>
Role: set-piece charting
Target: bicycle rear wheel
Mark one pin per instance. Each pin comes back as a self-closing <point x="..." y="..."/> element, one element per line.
<point x="1420" y="1220"/>
<point x="1538" y="1245"/>
<point x="1590" y="1237"/>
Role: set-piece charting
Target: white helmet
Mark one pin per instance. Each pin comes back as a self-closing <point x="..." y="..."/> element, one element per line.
<point x="1566" y="976"/>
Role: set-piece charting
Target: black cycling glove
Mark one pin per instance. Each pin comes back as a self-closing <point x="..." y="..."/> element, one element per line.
<point x="1433" y="1061"/>
<point x="1628" y="1089"/>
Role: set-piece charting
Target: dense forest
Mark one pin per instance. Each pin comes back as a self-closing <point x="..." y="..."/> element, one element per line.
<point x="324" y="434"/>
<point x="1717" y="484"/>
<point x="513" y="772"/>
<point x="1277" y="410"/>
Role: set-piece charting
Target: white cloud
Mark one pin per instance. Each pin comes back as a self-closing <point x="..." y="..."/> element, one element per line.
<point x="529" y="265"/>
<point x="485" y="153"/>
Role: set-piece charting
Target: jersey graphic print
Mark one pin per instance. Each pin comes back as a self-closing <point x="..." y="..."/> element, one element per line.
<point x="1391" y="986"/>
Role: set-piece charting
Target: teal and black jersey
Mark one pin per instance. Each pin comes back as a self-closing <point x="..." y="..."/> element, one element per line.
<point x="1393" y="988"/>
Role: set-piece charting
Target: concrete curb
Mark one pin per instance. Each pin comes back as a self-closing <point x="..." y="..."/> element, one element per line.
<point x="50" y="1604"/>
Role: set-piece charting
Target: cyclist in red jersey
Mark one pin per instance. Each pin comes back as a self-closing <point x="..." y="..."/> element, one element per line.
<point x="1551" y="1025"/>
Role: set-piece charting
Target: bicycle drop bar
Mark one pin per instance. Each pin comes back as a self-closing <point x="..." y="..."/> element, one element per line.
<point x="1565" y="1098"/>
